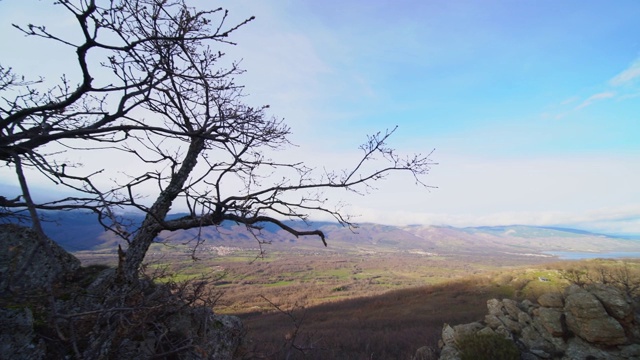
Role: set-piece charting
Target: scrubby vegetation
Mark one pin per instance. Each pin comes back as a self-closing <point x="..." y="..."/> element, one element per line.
<point x="368" y="306"/>
<point x="159" y="320"/>
<point x="624" y="275"/>
<point x="487" y="347"/>
<point x="398" y="322"/>
<point x="388" y="326"/>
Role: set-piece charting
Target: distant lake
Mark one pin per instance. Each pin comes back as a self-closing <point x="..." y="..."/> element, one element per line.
<point x="570" y="255"/>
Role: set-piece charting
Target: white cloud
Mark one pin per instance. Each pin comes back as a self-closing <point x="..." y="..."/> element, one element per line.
<point x="570" y="100"/>
<point x="628" y="75"/>
<point x="596" y="97"/>
<point x="590" y="192"/>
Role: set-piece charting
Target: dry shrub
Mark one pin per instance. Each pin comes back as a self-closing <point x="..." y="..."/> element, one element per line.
<point x="94" y="318"/>
<point x="623" y="274"/>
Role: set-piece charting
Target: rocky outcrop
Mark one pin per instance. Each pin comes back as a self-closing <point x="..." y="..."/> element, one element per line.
<point x="596" y="322"/>
<point x="17" y="337"/>
<point x="87" y="313"/>
<point x="27" y="263"/>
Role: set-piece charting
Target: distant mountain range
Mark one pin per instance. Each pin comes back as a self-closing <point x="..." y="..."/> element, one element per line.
<point x="77" y="231"/>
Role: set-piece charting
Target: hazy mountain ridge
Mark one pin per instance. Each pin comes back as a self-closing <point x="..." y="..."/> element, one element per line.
<point x="81" y="231"/>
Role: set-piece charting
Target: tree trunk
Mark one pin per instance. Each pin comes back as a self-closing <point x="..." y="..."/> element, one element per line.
<point x="152" y="224"/>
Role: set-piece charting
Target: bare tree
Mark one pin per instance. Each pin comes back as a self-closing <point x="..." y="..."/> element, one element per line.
<point x="163" y="95"/>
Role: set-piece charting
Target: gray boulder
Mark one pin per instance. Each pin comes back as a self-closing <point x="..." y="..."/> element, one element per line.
<point x="598" y="322"/>
<point x="551" y="300"/>
<point x="587" y="318"/>
<point x="463" y="330"/>
<point x="551" y="320"/>
<point x="17" y="338"/>
<point x="27" y="263"/>
<point x="617" y="304"/>
<point x="425" y="353"/>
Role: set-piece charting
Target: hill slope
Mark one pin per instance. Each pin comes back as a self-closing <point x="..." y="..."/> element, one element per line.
<point x="80" y="231"/>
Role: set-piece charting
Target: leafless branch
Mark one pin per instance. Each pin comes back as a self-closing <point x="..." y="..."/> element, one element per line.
<point x="156" y="91"/>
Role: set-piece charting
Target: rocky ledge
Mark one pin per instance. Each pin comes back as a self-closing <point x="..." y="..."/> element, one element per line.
<point x="594" y="322"/>
<point x="51" y="308"/>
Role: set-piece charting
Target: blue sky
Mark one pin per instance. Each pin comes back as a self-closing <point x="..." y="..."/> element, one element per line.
<point x="533" y="107"/>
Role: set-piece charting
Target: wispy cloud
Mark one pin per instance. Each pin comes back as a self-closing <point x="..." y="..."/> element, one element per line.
<point x="570" y="100"/>
<point x="627" y="76"/>
<point x="596" y="97"/>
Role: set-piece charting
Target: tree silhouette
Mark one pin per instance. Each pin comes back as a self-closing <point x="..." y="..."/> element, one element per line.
<point x="157" y="91"/>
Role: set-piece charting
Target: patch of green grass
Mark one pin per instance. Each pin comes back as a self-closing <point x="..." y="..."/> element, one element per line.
<point x="535" y="287"/>
<point x="243" y="258"/>
<point x="342" y="273"/>
<point x="279" y="283"/>
<point x="178" y="278"/>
